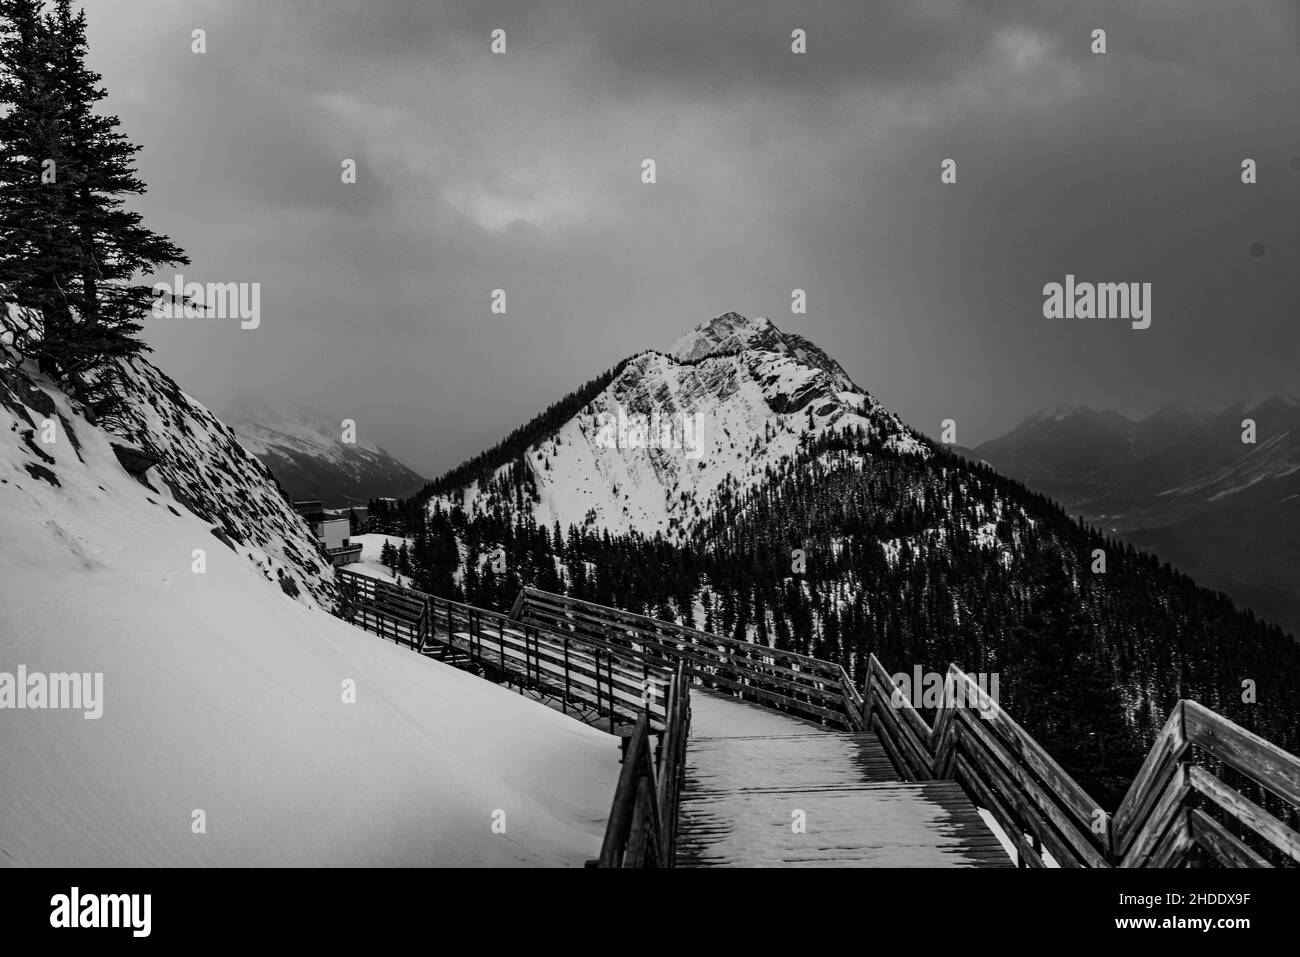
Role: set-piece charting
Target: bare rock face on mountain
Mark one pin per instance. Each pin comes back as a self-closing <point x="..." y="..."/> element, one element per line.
<point x="673" y="433"/>
<point x="732" y="332"/>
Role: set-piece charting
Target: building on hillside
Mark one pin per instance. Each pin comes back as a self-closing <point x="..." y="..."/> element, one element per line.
<point x="331" y="529"/>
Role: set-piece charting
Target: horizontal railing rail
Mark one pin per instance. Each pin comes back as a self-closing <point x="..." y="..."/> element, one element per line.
<point x="607" y="682"/>
<point x="788" y="681"/>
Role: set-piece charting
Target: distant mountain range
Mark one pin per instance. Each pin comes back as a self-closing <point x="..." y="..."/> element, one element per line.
<point x="304" y="450"/>
<point x="1180" y="483"/>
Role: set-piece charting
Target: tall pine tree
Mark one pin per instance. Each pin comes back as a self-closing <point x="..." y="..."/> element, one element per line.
<point x="71" y="250"/>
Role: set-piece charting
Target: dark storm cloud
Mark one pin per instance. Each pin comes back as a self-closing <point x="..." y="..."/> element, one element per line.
<point x="775" y="171"/>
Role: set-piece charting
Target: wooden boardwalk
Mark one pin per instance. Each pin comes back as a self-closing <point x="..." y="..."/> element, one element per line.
<point x="752" y="774"/>
<point x="727" y="786"/>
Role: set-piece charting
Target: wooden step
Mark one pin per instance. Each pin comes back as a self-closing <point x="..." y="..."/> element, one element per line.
<point x="768" y="790"/>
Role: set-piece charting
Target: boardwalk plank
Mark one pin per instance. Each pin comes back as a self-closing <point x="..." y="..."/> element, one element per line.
<point x="751" y="774"/>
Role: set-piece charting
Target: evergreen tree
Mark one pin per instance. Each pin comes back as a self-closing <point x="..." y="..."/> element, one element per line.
<point x="1065" y="697"/>
<point x="71" y="250"/>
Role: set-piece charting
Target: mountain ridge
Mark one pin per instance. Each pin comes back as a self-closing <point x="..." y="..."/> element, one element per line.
<point x="305" y="451"/>
<point x="1189" y="489"/>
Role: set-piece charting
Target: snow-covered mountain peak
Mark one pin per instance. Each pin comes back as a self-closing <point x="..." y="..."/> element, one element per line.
<point x="1200" y="411"/>
<point x="731" y="332"/>
<point x="307" y="452"/>
<point x="672" y="435"/>
<point x="1287" y="397"/>
<point x="1059" y="412"/>
<point x="262" y="425"/>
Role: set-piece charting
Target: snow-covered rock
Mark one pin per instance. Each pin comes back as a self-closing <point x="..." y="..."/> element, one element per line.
<point x="203" y="466"/>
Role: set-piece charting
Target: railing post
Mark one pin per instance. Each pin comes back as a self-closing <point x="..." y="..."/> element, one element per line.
<point x="866" y="693"/>
<point x="565" y="702"/>
<point x="609" y="687"/>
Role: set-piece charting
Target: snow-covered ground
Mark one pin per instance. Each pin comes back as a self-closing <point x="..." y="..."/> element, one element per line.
<point x="372" y="546"/>
<point x="225" y="702"/>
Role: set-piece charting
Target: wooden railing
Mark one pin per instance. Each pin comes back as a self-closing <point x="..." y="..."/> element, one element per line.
<point x="1004" y="770"/>
<point x="1177" y="811"/>
<point x="343" y="554"/>
<point x="642" y="826"/>
<point x="794" y="683"/>
<point x="603" y="684"/>
<point x="1209" y="792"/>
<point x="1210" y="784"/>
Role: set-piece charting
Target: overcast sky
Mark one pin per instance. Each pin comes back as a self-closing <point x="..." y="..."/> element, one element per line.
<point x="819" y="171"/>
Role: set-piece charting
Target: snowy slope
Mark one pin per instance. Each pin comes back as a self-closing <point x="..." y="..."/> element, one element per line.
<point x="204" y="466"/>
<point x="372" y="551"/>
<point x="222" y="694"/>
<point x="733" y="398"/>
<point x="305" y="452"/>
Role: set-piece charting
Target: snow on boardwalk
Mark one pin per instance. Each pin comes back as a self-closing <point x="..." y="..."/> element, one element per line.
<point x="750" y="771"/>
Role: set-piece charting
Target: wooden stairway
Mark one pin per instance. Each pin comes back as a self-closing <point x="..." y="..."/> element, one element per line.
<point x="764" y="789"/>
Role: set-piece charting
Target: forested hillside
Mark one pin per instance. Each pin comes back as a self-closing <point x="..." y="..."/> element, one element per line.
<point x="850" y="548"/>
